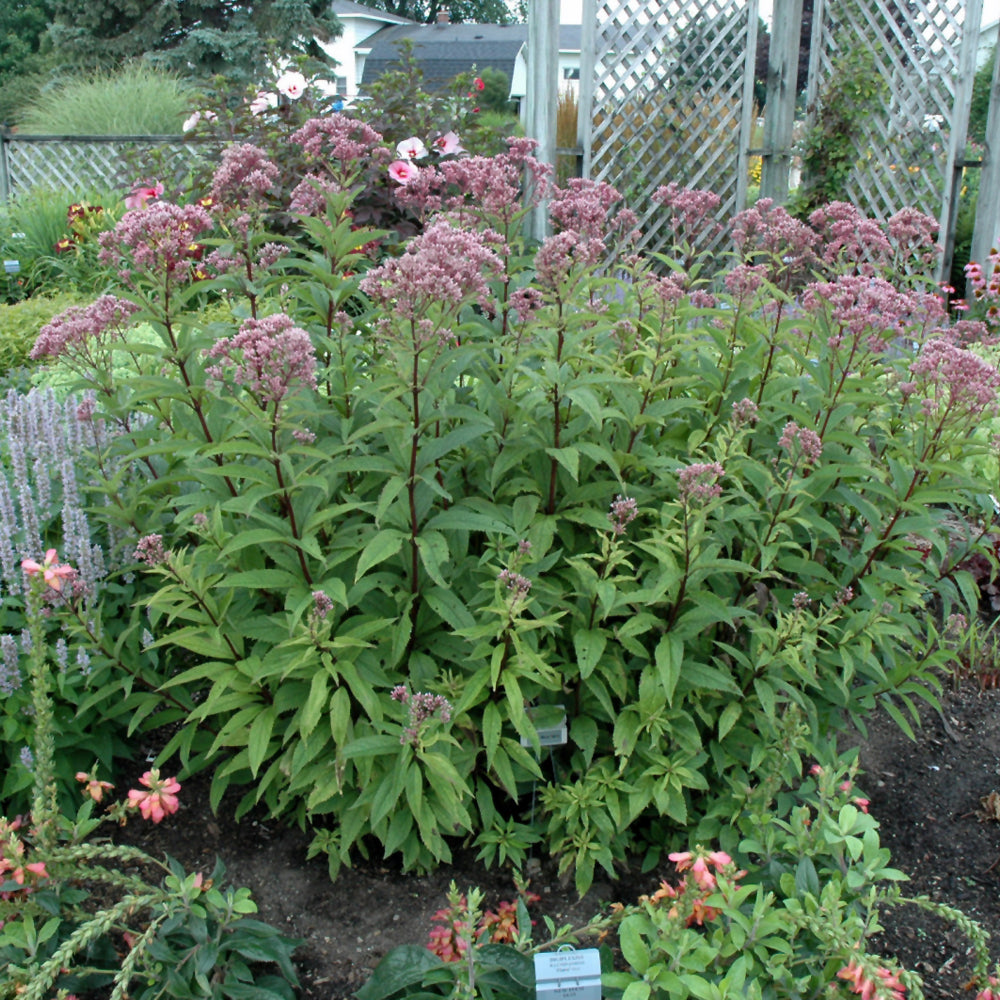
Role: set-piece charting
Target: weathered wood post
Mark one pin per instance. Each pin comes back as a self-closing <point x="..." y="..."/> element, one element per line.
<point x="987" y="227"/>
<point x="542" y="98"/>
<point x="779" y="114"/>
<point x="956" y="141"/>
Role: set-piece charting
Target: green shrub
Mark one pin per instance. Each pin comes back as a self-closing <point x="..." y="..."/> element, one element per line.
<point x="395" y="524"/>
<point x="137" y="99"/>
<point x="19" y="326"/>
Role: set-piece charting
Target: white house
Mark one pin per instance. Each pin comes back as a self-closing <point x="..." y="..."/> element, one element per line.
<point x="369" y="45"/>
<point x="351" y="47"/>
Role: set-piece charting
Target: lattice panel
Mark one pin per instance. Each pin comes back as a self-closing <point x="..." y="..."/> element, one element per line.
<point x="915" y="48"/>
<point x="668" y="101"/>
<point x="82" y="164"/>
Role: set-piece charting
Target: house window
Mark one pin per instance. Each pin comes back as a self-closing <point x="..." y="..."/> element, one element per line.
<point x="340" y="83"/>
<point x="571" y="72"/>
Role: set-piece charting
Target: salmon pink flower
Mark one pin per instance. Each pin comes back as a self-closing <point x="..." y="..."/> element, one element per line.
<point x="403" y="171"/>
<point x="52" y="573"/>
<point x="161" y="798"/>
<point x="92" y="786"/>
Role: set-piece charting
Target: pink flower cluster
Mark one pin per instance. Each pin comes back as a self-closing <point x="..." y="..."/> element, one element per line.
<point x="810" y="445"/>
<point x="159" y="240"/>
<point x="13" y="866"/>
<point x="700" y="482"/>
<point x="769" y="228"/>
<point x="623" y="512"/>
<point x="337" y="137"/>
<point x="955" y="382"/>
<point x="245" y="174"/>
<point x="445" y="265"/>
<point x="51" y="571"/>
<point x="149" y="550"/>
<point x="689" y="899"/>
<point x="160" y="798"/>
<point x="874" y="982"/>
<point x="72" y="329"/>
<point x="269" y="356"/>
<point x="517" y="584"/>
<point x="423" y="706"/>
<point x="692" y="212"/>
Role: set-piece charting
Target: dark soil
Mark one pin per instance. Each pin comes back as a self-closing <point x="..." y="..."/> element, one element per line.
<point x="926" y="795"/>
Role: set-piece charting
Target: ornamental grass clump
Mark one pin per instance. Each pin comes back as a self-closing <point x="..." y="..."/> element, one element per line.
<point x="564" y="482"/>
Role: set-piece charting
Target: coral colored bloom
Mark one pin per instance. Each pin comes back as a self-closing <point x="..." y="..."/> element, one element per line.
<point x="161" y="798"/>
<point x="403" y="171"/>
<point x="479" y="83"/>
<point x="862" y="804"/>
<point x="411" y="149"/>
<point x="292" y="85"/>
<point x="681" y="859"/>
<point x="51" y="571"/>
<point x="92" y="786"/>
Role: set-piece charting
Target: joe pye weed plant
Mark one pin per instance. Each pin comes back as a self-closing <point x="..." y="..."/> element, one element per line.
<point x="186" y="936"/>
<point x="514" y="479"/>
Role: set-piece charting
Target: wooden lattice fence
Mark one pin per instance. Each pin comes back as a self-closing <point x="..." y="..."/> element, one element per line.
<point x="911" y="143"/>
<point x="82" y="163"/>
<point x="672" y="100"/>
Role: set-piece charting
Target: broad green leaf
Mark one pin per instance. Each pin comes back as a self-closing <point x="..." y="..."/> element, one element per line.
<point x="382" y="546"/>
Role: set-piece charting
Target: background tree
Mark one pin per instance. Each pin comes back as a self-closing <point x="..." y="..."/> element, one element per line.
<point x="426" y="11"/>
<point x="199" y="38"/>
<point x="23" y="25"/>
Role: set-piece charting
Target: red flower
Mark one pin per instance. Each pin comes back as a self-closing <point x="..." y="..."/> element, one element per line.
<point x="479" y="83"/>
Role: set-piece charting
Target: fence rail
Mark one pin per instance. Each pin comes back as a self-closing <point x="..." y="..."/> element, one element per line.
<point x="79" y="162"/>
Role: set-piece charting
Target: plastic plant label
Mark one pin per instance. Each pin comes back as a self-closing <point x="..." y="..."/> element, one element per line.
<point x="12" y="266"/>
<point x="550" y="724"/>
<point x="568" y="975"/>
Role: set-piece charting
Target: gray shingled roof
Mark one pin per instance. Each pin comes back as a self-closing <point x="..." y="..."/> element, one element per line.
<point x="443" y="51"/>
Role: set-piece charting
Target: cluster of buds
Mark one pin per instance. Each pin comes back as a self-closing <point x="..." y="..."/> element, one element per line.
<point x="449" y="937"/>
<point x="423" y="706"/>
<point x="871" y="981"/>
<point x="13" y="864"/>
<point x="689" y="899"/>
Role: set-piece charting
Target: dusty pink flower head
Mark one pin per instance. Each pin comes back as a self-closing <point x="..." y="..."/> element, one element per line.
<point x="157" y="240"/>
<point x="149" y="550"/>
<point x="245" y="174"/>
<point x="269" y="356"/>
<point x="561" y="255"/>
<point x="583" y="206"/>
<point x="338" y="137"/>
<point x="770" y="229"/>
<point x="700" y="482"/>
<point x="954" y="382"/>
<point x="103" y="319"/>
<point x="444" y="266"/>
<point x="810" y="446"/>
<point x="623" y="512"/>
<point x="160" y="799"/>
<point x="692" y="212"/>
